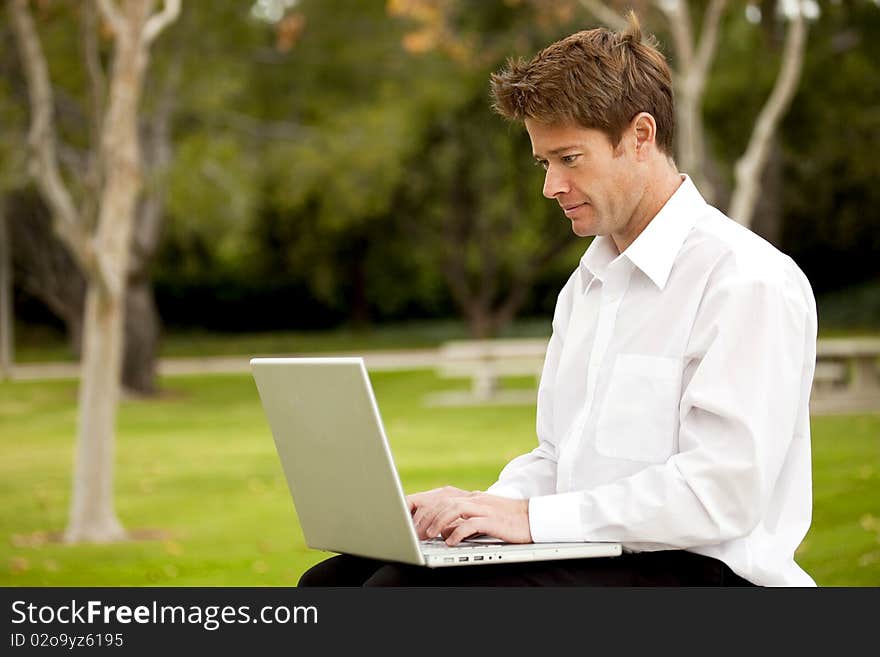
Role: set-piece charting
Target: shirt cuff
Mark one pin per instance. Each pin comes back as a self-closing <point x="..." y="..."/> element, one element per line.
<point x="504" y="490"/>
<point x="556" y="518"/>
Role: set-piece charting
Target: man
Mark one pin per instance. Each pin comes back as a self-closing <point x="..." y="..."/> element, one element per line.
<point x="673" y="405"/>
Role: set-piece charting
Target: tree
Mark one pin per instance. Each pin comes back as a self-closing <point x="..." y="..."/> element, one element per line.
<point x="79" y="98"/>
<point x="102" y="249"/>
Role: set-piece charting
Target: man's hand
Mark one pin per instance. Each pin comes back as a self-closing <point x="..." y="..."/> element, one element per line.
<point x="455" y="515"/>
<point x="424" y="506"/>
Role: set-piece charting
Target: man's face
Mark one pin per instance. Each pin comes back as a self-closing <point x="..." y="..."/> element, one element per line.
<point x="595" y="184"/>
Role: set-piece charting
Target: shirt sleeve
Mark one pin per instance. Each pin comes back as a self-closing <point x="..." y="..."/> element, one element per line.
<point x="746" y="363"/>
<point x="534" y="474"/>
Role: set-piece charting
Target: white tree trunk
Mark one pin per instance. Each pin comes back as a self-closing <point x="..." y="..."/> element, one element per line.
<point x="92" y="513"/>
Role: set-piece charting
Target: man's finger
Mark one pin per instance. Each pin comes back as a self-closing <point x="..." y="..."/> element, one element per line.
<point x="421" y="519"/>
<point x="425" y="518"/>
<point x="459" y="508"/>
<point x="465" y="529"/>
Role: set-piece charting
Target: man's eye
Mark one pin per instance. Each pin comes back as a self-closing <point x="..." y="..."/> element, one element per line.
<point x="569" y="159"/>
<point x="541" y="163"/>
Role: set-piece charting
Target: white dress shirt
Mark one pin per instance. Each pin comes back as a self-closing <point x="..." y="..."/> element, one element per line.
<point x="673" y="408"/>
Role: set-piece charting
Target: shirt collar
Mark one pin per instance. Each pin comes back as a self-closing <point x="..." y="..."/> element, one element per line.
<point x="655" y="249"/>
<point x="601" y="253"/>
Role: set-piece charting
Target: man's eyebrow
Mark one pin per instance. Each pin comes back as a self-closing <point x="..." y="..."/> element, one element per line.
<point x="556" y="151"/>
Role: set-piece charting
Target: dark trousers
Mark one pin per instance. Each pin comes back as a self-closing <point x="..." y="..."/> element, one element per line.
<point x="665" y="568"/>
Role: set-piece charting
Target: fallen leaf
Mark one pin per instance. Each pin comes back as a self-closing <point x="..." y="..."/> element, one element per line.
<point x="869" y="558"/>
<point x="869" y="523"/>
<point x="19" y="565"/>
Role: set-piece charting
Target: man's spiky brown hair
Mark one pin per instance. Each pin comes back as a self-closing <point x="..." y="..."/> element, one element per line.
<point x="596" y="79"/>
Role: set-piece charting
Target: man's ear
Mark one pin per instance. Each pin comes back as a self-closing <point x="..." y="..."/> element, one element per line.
<point x="644" y="128"/>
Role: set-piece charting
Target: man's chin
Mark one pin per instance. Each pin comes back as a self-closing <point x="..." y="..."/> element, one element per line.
<point x="583" y="230"/>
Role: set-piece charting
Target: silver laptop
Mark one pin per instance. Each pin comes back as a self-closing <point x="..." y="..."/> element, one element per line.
<point x="335" y="455"/>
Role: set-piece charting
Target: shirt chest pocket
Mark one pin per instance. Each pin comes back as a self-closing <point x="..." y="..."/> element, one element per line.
<point x="638" y="419"/>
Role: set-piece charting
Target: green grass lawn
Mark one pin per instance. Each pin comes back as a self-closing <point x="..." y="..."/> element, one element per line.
<point x="197" y="472"/>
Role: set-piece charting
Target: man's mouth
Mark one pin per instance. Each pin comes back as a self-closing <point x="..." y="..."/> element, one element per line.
<point x="568" y="209"/>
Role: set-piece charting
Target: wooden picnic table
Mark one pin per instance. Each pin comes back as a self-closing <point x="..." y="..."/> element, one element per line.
<point x="860" y="353"/>
<point x="847" y="377"/>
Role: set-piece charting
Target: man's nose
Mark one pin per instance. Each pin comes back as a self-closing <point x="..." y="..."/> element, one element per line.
<point x="555" y="182"/>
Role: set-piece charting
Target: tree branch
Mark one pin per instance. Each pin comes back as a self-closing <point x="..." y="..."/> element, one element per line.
<point x="44" y="266"/>
<point x="43" y="158"/>
<point x="97" y="93"/>
<point x="678" y="15"/>
<point x="157" y="156"/>
<point x="749" y="166"/>
<point x="111" y="14"/>
<point x="160" y="21"/>
<point x="94" y="68"/>
<point x="709" y="38"/>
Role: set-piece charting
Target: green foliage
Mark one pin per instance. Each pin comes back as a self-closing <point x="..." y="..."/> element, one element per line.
<point x="199" y="470"/>
<point x="476" y="191"/>
<point x="212" y="183"/>
<point x="349" y="167"/>
<point x="217" y="49"/>
<point x="855" y="308"/>
<point x="831" y="199"/>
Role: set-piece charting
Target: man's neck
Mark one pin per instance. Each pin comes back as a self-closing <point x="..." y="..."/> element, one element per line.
<point x="656" y="194"/>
